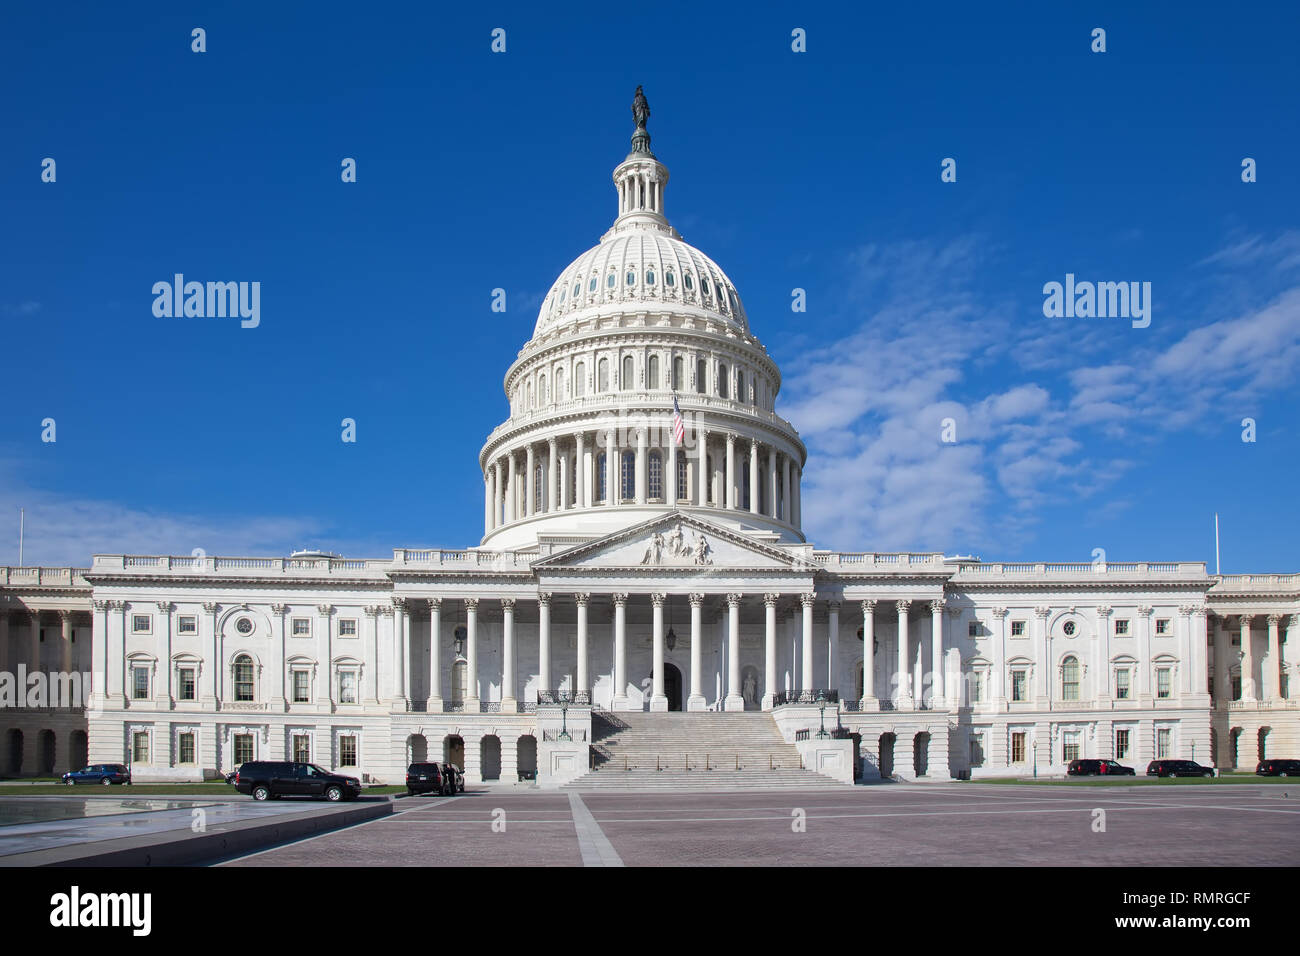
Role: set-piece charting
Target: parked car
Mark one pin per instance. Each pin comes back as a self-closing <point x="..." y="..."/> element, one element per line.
<point x="101" y="773"/>
<point x="1099" y="768"/>
<point x="1178" y="768"/>
<point x="271" y="779"/>
<point x="1278" y="768"/>
<point x="455" y="776"/>
<point x="426" y="778"/>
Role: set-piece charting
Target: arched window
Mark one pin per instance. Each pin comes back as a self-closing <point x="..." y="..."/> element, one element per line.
<point x="708" y="485"/>
<point x="701" y="376"/>
<point x="1070" y="679"/>
<point x="649" y="277"/>
<point x="656" y="475"/>
<point x="580" y="379"/>
<point x="559" y="384"/>
<point x="602" y="375"/>
<point x="541" y="391"/>
<point x="629" y="376"/>
<point x="528" y="395"/>
<point x="610" y="280"/>
<point x="682" y="491"/>
<point x="652" y="372"/>
<point x="628" y="478"/>
<point x="722" y="381"/>
<point x="677" y="374"/>
<point x="631" y="278"/>
<point x="669" y="280"/>
<point x="744" y="484"/>
<point x="600" y="477"/>
<point x="704" y="285"/>
<point x="740" y="386"/>
<point x="591" y="286"/>
<point x="539" y="487"/>
<point x="243" y="677"/>
<point x="690" y="283"/>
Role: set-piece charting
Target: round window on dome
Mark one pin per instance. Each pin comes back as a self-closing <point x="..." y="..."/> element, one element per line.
<point x="669" y="280"/>
<point x="650" y="277"/>
<point x="610" y="280"/>
<point x="690" y="283"/>
<point x="631" y="278"/>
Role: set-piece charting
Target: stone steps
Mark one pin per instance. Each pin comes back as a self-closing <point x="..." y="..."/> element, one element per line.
<point x="675" y="780"/>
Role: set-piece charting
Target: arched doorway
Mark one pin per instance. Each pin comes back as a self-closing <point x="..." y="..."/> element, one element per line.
<point x="453" y="750"/>
<point x="15" y="752"/>
<point x="887" y="755"/>
<point x="921" y="753"/>
<point x="46" y="751"/>
<point x="1234" y="745"/>
<point x="417" y="749"/>
<point x="489" y="757"/>
<point x="78" y="750"/>
<point x="673" y="686"/>
<point x="1263" y="742"/>
<point x="526" y="748"/>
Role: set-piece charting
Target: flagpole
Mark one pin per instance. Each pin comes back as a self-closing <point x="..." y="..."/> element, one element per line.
<point x="1216" y="542"/>
<point x="21" y="519"/>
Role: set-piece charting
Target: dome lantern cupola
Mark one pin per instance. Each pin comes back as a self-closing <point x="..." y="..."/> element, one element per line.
<point x="640" y="180"/>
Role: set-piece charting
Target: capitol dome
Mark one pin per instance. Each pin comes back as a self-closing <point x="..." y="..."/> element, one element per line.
<point x="639" y="324"/>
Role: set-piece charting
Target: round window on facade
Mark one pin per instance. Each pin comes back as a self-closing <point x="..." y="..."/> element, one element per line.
<point x="244" y="625"/>
<point x="1068" y="629"/>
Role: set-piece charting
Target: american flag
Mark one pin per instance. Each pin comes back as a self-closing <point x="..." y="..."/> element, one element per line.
<point x="679" y="426"/>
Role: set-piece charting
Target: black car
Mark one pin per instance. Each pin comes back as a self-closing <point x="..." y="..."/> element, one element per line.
<point x="1099" y="768"/>
<point x="1278" y="768"/>
<point x="1178" y="768"/>
<point x="456" y="776"/>
<point x="271" y="779"/>
<point x="101" y="773"/>
<point x="427" y="778"/>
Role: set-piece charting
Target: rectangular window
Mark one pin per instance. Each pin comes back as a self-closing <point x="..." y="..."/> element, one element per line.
<point x="301" y="627"/>
<point x="1070" y="746"/>
<point x="243" y="749"/>
<point x="140" y="746"/>
<point x="187" y="624"/>
<point x="347" y="751"/>
<point x="656" y="490"/>
<point x="1121" y="627"/>
<point x="301" y="687"/>
<point x="1163" y="683"/>
<point x="139" y="683"/>
<point x="1236" y="687"/>
<point x="301" y="748"/>
<point x="973" y="629"/>
<point x="1121" y="744"/>
<point x="1017" y="628"/>
<point x="977" y="750"/>
<point x="347" y="687"/>
<point x="185" y="748"/>
<point x="141" y="624"/>
<point x="977" y="687"/>
<point x="347" y="627"/>
<point x="1162" y="625"/>
<point x="1162" y="743"/>
<point x="1018" y="685"/>
<point x="1121" y="683"/>
<point x="682" y="491"/>
<point x="185" y="683"/>
<point x="1018" y="747"/>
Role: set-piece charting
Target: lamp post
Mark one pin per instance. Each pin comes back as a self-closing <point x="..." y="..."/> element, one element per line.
<point x="564" y="716"/>
<point x="821" y="699"/>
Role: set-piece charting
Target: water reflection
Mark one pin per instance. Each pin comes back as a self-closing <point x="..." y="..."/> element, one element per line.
<point x="14" y="810"/>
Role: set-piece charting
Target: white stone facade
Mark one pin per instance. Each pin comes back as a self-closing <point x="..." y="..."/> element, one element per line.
<point x="625" y="570"/>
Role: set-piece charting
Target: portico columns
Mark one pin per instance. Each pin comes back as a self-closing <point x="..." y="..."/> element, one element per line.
<point x="702" y="439"/>
<point x="530" y="480"/>
<point x="696" y="700"/>
<point x="1272" y="674"/>
<point x="580" y="471"/>
<point x="806" y="675"/>
<point x="938" y="700"/>
<point x="769" y="649"/>
<point x="553" y="464"/>
<point x="641" y="480"/>
<point x="904" y="673"/>
<point x="509" y="704"/>
<point x="832" y="644"/>
<point x="1247" y="660"/>
<point x="434" y="705"/>
<point x="658" y="700"/>
<point x="399" y="656"/>
<point x="620" y="651"/>
<point x="869" y="701"/>
<point x="584" y="680"/>
<point x="611" y="472"/>
<point x="734" y="701"/>
<point x="544" y="636"/>
<point x="753" y="477"/>
<point x="471" y="656"/>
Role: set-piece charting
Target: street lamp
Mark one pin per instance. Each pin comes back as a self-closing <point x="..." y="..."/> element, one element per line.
<point x="564" y="716"/>
<point x="821" y="699"/>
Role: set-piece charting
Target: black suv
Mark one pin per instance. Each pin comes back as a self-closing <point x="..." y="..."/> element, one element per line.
<point x="1178" y="768"/>
<point x="1099" y="768"/>
<point x="428" y="778"/>
<point x="270" y="779"/>
<point x="1278" y="768"/>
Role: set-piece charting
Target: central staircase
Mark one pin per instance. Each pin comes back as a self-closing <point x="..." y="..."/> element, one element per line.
<point x="693" y="751"/>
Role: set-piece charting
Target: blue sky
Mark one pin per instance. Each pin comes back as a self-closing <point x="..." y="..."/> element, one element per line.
<point x="817" y="170"/>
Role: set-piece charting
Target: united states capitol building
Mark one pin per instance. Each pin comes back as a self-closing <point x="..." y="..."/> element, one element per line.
<point x="626" y="572"/>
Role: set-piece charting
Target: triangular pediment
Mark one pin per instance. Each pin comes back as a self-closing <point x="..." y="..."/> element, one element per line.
<point x="674" y="541"/>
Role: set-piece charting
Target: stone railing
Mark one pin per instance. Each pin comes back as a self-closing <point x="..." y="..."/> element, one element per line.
<point x="42" y="577"/>
<point x="466" y="560"/>
<point x="217" y="565"/>
<point x="1255" y="582"/>
<point x="887" y="561"/>
<point x="1181" y="569"/>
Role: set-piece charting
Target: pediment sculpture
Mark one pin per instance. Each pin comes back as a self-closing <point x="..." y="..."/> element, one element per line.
<point x="673" y="548"/>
